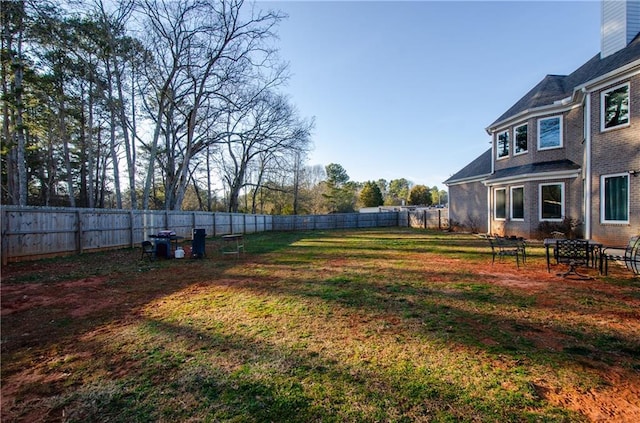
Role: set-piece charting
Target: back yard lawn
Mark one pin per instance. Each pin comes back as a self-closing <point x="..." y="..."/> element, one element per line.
<point x="368" y="325"/>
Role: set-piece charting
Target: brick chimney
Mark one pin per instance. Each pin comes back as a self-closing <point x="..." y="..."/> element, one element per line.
<point x="620" y="25"/>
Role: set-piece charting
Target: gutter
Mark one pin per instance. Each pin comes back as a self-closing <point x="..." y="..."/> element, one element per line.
<point x="535" y="176"/>
<point x="619" y="73"/>
<point x="477" y="178"/>
<point x="556" y="107"/>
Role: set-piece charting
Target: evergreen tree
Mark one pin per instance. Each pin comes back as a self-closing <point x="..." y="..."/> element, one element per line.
<point x="420" y="195"/>
<point x="371" y="196"/>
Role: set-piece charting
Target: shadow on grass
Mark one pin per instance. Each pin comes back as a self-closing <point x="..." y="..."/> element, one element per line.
<point x="150" y="369"/>
<point x="220" y="374"/>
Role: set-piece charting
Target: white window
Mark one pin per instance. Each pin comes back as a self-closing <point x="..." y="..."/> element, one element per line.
<point x="551" y="204"/>
<point x="520" y="139"/>
<point x="517" y="203"/>
<point x="502" y="144"/>
<point x="614" y="198"/>
<point x="550" y="133"/>
<point x="500" y="204"/>
<point x="614" y="107"/>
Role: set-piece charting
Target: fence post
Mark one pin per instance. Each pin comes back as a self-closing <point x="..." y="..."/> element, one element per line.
<point x="79" y="233"/>
<point x="439" y="219"/>
<point x="4" y="239"/>
<point x="131" y="228"/>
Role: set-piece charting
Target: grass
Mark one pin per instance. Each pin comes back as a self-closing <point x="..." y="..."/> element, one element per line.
<point x="368" y="325"/>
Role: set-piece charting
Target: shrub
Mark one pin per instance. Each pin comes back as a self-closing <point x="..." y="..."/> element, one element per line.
<point x="571" y="228"/>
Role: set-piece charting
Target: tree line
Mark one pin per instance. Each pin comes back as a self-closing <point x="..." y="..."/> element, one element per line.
<point x="141" y="103"/>
<point x="161" y="104"/>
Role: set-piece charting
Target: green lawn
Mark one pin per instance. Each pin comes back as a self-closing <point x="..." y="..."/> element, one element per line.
<point x="363" y="326"/>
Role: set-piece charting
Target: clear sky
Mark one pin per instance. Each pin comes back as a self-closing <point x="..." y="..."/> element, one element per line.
<point x="406" y="89"/>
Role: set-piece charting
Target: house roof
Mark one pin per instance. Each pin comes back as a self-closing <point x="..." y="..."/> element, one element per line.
<point x="481" y="166"/>
<point x="558" y="87"/>
<point x="534" y="168"/>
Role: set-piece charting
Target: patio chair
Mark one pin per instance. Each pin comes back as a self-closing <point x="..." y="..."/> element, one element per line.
<point x="573" y="252"/>
<point x="148" y="250"/>
<point x="630" y="255"/>
<point x="501" y="248"/>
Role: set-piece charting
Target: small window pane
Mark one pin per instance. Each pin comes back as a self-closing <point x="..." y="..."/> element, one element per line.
<point x="616" y="107"/>
<point x="503" y="144"/>
<point x="616" y="198"/>
<point x="501" y="204"/>
<point x="517" y="203"/>
<point x="520" y="142"/>
<point x="549" y="133"/>
<point x="551" y="198"/>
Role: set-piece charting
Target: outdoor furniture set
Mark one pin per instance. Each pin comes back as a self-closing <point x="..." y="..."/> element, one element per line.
<point x="572" y="252"/>
<point x="165" y="244"/>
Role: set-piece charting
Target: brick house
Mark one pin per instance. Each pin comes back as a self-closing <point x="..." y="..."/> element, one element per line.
<point x="568" y="151"/>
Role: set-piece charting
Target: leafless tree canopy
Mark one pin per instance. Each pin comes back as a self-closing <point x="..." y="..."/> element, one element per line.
<point x="145" y="103"/>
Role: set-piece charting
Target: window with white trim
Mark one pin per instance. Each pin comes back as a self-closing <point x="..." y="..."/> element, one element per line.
<point x="502" y="144"/>
<point x="551" y="204"/>
<point x="500" y="203"/>
<point x="517" y="203"/>
<point x="614" y="107"/>
<point x="520" y="139"/>
<point x="614" y="198"/>
<point x="550" y="132"/>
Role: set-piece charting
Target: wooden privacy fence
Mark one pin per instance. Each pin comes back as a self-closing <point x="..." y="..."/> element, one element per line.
<point x="31" y="232"/>
<point x="39" y="231"/>
<point x="429" y="219"/>
<point x="336" y="221"/>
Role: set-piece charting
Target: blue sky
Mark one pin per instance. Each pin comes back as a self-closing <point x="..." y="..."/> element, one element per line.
<point x="406" y="89"/>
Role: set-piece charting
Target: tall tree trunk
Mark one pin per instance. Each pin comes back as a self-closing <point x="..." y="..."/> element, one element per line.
<point x="90" y="152"/>
<point x="21" y="144"/>
<point x="83" y="194"/>
<point x="114" y="159"/>
<point x="129" y="149"/>
<point x="208" y="179"/>
<point x="12" y="26"/>
<point x="64" y="135"/>
<point x="296" y="183"/>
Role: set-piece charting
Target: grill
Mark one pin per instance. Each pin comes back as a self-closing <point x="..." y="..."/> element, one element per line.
<point x="163" y="243"/>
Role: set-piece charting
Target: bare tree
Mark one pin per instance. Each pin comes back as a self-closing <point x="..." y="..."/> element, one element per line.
<point x="201" y="49"/>
<point x="267" y="126"/>
<point x="115" y="50"/>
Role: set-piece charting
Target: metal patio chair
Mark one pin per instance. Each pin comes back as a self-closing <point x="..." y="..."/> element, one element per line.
<point x="148" y="250"/>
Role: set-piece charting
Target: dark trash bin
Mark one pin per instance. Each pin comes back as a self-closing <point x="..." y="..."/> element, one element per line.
<point x="197" y="245"/>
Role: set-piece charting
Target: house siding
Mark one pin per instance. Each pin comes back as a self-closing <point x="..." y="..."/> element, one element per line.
<point x="615" y="151"/>
<point x="470" y="207"/>
<point x="572" y="146"/>
<point x="572" y="149"/>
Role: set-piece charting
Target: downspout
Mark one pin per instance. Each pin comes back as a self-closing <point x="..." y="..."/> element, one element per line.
<point x="493" y="169"/>
<point x="587" y="185"/>
<point x="489" y="210"/>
